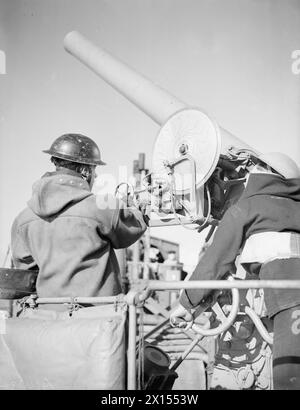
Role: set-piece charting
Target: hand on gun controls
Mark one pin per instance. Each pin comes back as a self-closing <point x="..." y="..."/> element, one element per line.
<point x="181" y="317"/>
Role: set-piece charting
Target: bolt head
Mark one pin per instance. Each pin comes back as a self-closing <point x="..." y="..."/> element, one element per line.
<point x="183" y="149"/>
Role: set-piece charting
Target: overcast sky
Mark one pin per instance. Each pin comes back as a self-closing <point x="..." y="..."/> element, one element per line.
<point x="231" y="57"/>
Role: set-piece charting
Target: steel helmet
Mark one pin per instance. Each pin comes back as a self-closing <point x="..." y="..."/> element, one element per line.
<point x="76" y="148"/>
<point x="281" y="163"/>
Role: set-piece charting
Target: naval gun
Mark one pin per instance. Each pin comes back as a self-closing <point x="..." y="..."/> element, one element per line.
<point x="198" y="168"/>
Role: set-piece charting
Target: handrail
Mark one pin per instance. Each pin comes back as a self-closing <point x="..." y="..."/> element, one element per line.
<point x="223" y="284"/>
<point x="78" y="299"/>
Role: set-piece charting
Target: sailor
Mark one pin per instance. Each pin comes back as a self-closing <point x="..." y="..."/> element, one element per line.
<point x="264" y="226"/>
<point x="68" y="233"/>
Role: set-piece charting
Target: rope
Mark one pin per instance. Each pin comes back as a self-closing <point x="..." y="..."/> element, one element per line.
<point x="141" y="350"/>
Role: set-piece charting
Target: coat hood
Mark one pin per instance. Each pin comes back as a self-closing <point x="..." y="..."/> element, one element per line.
<point x="55" y="191"/>
<point x="271" y="184"/>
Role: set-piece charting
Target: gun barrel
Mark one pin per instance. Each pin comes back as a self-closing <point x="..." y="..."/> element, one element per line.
<point x="153" y="100"/>
<point x="157" y="103"/>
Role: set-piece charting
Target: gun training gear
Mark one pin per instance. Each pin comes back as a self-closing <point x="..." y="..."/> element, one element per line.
<point x="76" y="148"/>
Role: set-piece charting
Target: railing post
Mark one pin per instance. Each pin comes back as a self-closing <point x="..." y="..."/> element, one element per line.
<point x="131" y="350"/>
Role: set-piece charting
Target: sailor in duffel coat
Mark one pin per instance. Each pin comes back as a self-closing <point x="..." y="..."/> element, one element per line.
<point x="68" y="233"/>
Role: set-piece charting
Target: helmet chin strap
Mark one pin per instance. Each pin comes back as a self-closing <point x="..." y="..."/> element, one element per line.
<point x="86" y="173"/>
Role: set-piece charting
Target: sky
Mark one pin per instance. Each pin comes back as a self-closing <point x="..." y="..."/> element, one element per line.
<point x="233" y="58"/>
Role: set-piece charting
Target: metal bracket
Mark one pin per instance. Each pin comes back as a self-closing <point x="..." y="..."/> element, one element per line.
<point x="72" y="306"/>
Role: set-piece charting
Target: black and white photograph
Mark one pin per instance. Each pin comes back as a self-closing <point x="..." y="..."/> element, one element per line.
<point x="149" y="198"/>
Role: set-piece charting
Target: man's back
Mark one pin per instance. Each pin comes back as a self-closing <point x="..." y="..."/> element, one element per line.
<point x="70" y="234"/>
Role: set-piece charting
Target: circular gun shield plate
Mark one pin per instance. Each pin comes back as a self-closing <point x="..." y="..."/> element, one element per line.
<point x="190" y="131"/>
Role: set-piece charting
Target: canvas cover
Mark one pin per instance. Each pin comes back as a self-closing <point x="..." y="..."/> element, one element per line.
<point x="46" y="349"/>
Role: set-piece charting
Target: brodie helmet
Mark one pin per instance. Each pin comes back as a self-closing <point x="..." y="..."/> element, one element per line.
<point x="76" y="148"/>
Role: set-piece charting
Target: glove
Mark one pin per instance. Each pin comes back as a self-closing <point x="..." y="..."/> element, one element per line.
<point x="181" y="317"/>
